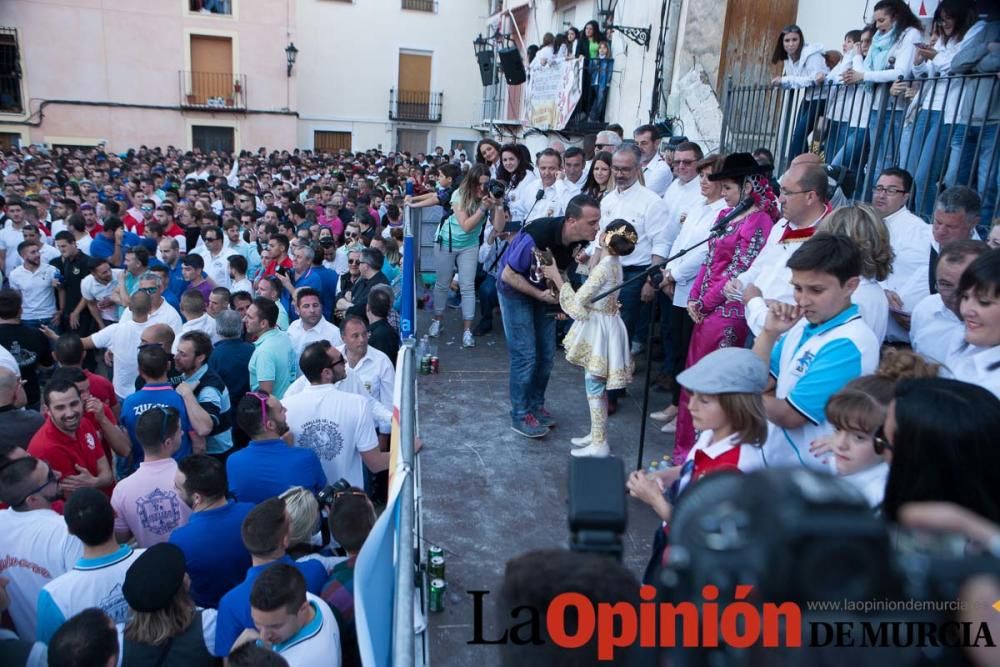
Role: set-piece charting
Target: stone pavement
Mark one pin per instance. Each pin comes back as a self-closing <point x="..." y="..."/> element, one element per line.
<point x="490" y="494"/>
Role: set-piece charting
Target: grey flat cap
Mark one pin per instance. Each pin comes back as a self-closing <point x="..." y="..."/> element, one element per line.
<point x="730" y="370"/>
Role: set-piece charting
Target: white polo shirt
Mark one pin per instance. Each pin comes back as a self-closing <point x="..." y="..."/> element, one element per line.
<point x="335" y="425"/>
<point x="934" y="329"/>
<point x="351" y="384"/>
<point x="975" y="365"/>
<point x="204" y="323"/>
<point x="910" y="238"/>
<point x="377" y="374"/>
<point x="35" y="549"/>
<point x="552" y="204"/>
<point x="317" y="642"/>
<point x="93" y="582"/>
<point x="93" y="290"/>
<point x="165" y="314"/>
<point x="217" y="268"/>
<point x="123" y="339"/>
<point x="648" y="214"/>
<point x="301" y="337"/>
<point x="38" y="296"/>
<point x="657" y="175"/>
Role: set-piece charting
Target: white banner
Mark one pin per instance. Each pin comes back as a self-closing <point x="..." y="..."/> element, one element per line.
<point x="552" y="93"/>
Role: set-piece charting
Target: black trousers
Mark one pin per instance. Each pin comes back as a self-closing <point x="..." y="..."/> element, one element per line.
<point x="681" y="328"/>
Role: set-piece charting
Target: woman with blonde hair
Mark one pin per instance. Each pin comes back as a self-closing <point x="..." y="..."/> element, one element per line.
<point x="863" y="225"/>
<point x="303" y="508"/>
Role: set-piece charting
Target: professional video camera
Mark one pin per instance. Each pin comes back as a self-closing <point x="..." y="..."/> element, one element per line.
<point x="800" y="537"/>
<point x="326" y="496"/>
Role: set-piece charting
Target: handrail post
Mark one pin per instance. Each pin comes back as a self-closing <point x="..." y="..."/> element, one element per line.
<point x="403" y="649"/>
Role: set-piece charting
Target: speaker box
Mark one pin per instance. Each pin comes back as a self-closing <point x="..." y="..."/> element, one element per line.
<point x="486" y="67"/>
<point x="597" y="494"/>
<point x="512" y="66"/>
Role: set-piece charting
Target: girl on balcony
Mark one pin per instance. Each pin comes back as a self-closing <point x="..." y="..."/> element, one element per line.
<point x="805" y="67"/>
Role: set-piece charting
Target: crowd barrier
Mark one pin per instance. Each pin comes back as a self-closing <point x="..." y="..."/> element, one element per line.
<point x="942" y="129"/>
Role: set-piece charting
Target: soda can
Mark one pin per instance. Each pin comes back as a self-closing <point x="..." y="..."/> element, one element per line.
<point x="425" y="365"/>
<point x="434" y="550"/>
<point x="436" y="568"/>
<point x="435" y="600"/>
<point x="435" y="365"/>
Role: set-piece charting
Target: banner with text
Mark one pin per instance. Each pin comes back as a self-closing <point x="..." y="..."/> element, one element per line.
<point x="552" y="93"/>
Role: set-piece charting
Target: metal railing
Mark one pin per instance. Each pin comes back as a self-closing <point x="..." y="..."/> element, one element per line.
<point x="943" y="130"/>
<point x="415" y="105"/>
<point x="213" y="91"/>
<point x="421" y="5"/>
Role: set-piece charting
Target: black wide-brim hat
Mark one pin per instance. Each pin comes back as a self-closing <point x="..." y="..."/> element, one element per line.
<point x="738" y="166"/>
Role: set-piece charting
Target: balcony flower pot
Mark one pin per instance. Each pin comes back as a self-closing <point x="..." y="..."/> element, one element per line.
<point x="191" y="99"/>
<point x="237" y="87"/>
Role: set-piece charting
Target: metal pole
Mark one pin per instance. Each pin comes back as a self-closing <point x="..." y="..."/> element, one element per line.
<point x="408" y="314"/>
<point x="403" y="648"/>
<point x="649" y="371"/>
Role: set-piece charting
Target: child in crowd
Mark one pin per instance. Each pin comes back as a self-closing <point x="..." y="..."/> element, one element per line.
<point x="725" y="389"/>
<point x="352" y="516"/>
<point x="598" y="340"/>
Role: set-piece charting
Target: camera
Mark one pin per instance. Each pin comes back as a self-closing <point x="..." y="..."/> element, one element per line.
<point x="326" y="496"/>
<point x="496" y="188"/>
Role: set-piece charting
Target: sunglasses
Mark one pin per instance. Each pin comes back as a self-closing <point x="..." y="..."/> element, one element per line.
<point x="353" y="262"/>
<point x="150" y="291"/>
<point x="881" y="443"/>
<point x="51" y="479"/>
<point x="350" y="235"/>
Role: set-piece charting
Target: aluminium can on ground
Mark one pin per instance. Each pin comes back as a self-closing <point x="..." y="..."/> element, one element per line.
<point x="435" y="600"/>
<point x="436" y="568"/>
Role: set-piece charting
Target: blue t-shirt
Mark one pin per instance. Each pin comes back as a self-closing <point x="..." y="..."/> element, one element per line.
<point x="134" y="405"/>
<point x="101" y="247"/>
<point x="311" y="279"/>
<point x="176" y="286"/>
<point x="234" y="608"/>
<point x="328" y="293"/>
<point x="214" y="552"/>
<point x="267" y="468"/>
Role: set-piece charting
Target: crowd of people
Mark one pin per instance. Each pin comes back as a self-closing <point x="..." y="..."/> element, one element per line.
<point x="592" y="48"/>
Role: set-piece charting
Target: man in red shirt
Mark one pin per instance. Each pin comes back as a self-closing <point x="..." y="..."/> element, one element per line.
<point x="70" y="444"/>
<point x="277" y="254"/>
<point x="69" y="353"/>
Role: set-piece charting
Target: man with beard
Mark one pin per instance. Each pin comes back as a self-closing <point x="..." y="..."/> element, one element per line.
<point x="69" y="443"/>
<point x="37" y="285"/>
<point x="311" y="325"/>
<point x="268" y="466"/>
<point x="273" y="365"/>
<point x="216" y="557"/>
<point x="208" y="391"/>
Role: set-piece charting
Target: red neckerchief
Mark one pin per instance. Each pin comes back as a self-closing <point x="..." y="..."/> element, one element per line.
<point x="796" y="235"/>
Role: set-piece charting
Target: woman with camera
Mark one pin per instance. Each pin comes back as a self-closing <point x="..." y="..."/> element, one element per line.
<point x="458" y="246"/>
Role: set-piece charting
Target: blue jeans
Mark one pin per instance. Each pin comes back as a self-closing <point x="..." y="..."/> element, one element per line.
<point x="530" y="329"/>
<point x="809" y="111"/>
<point x="887" y="134"/>
<point x="836" y="138"/>
<point x="488" y="297"/>
<point x="925" y="155"/>
<point x="976" y="146"/>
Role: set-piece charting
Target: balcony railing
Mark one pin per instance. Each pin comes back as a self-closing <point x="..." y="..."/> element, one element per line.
<point x="415" y="105"/>
<point x="213" y="91"/>
<point x="421" y="5"/>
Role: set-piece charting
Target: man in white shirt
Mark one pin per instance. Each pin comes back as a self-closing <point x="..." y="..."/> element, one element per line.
<point x="48" y="252"/>
<point x="37" y="284"/>
<point x="574" y="174"/>
<point x="97" y="577"/>
<point x="292" y="622"/>
<point x="36" y="547"/>
<point x="97" y="289"/>
<point x="196" y="319"/>
<point x="373" y="367"/>
<point x="655" y="172"/>
<point x="216" y="253"/>
<point x="647" y="212"/>
<point x="11" y="235"/>
<point x="311" y="325"/>
<point x="338" y="426"/>
<point x="553" y="201"/>
<point x="803" y="205"/>
<point x="910" y="239"/>
<point x="122" y="339"/>
<point x="234" y="241"/>
<point x="935" y="328"/>
<point x="161" y="312"/>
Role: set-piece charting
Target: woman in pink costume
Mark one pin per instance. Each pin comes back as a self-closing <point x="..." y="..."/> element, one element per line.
<point x="719" y="322"/>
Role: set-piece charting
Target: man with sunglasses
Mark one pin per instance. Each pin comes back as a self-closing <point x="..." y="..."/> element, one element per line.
<point x="32" y="533"/>
<point x="215" y="254"/>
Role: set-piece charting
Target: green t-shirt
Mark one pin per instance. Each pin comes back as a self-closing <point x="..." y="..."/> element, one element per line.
<point x="273" y="360"/>
<point x="452" y="236"/>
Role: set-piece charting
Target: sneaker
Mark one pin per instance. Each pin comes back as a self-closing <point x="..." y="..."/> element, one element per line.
<point x="467" y="339"/>
<point x="544" y="417"/>
<point x="435" y="329"/>
<point x="529" y="427"/>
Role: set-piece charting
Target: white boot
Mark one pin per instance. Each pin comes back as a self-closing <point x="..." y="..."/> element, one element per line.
<point x="582" y="441"/>
<point x="597" y="450"/>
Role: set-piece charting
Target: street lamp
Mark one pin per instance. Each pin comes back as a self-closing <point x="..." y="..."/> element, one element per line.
<point x="290" y="53"/>
<point x="606" y="10"/>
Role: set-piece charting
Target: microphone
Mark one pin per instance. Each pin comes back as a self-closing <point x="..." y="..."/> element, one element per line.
<point x="745" y="205"/>
<point x="539" y="196"/>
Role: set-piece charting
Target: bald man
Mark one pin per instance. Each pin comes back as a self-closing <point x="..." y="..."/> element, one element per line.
<point x="162" y="335"/>
<point x="837" y="196"/>
<point x="16" y="424"/>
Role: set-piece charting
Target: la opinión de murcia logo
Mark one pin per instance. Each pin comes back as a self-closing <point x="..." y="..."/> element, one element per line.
<point x="707" y="624"/>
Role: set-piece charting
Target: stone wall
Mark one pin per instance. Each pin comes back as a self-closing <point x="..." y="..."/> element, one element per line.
<point x="704" y="22"/>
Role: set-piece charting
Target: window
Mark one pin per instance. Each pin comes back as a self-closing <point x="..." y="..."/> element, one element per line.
<point x="9" y="140"/>
<point x="10" y="72"/>
<point x="421" y="5"/>
<point x="207" y="7"/>
<point x="331" y="142"/>
<point x="211" y="138"/>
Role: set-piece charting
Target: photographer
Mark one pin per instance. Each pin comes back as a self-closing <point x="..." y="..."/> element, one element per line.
<point x="458" y="244"/>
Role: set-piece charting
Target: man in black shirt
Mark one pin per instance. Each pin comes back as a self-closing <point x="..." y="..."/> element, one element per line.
<point x="74" y="267"/>
<point x="381" y="335"/>
<point x="370" y="271"/>
<point x="29" y="346"/>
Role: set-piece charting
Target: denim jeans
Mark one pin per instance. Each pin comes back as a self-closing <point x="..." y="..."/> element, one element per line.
<point x="836" y="138"/>
<point x="887" y="133"/>
<point x="531" y="344"/>
<point x="851" y="153"/>
<point x="809" y="111"/>
<point x="976" y="146"/>
<point x="444" y="265"/>
<point x="488" y="297"/>
<point x="924" y="158"/>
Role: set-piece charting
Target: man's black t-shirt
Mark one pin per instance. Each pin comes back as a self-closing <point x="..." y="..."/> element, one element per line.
<point x="73" y="272"/>
<point x="384" y="338"/>
<point x="26" y="343"/>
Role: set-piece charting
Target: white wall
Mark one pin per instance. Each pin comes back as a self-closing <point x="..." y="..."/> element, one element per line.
<point x="826" y="22"/>
<point x="349" y="60"/>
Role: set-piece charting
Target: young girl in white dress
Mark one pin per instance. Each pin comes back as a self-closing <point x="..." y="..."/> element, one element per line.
<point x="598" y="341"/>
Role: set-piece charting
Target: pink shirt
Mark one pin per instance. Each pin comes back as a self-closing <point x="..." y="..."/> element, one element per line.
<point x="147" y="504"/>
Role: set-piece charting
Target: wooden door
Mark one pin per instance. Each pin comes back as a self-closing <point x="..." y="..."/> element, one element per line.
<point x="331" y="142"/>
<point x="749" y="36"/>
<point x="413" y="93"/>
<point x="411" y="141"/>
<point x="211" y="70"/>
